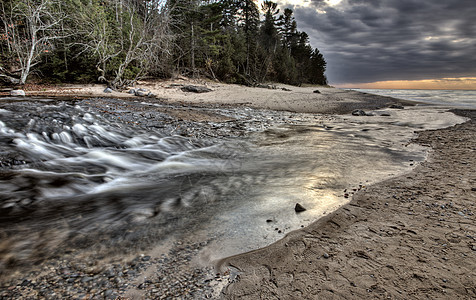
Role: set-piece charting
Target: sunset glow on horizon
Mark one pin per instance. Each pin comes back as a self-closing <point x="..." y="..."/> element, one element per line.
<point x="463" y="83"/>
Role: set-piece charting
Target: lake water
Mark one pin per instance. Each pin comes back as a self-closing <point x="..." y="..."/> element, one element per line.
<point x="453" y="98"/>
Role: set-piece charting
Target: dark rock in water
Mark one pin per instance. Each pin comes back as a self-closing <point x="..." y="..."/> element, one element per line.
<point x="17" y="93"/>
<point x="269" y="221"/>
<point x="359" y="112"/>
<point x="317" y="92"/>
<point x="396" y="106"/>
<point x="107" y="90"/>
<point x="385" y="114"/>
<point x="195" y="89"/>
<point x="299" y="208"/>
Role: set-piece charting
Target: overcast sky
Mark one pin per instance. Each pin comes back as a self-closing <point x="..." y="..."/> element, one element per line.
<point x="379" y="40"/>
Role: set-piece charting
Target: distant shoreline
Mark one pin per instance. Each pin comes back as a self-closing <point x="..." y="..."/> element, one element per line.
<point x="308" y="99"/>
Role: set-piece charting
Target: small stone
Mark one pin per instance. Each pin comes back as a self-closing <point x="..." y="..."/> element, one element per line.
<point x="299" y="208"/>
<point x="146" y="258"/>
<point x="473" y="189"/>
<point x="325" y="255"/>
<point x="108" y="90"/>
<point x="86" y="279"/>
<point x="269" y="221"/>
<point x="317" y="92"/>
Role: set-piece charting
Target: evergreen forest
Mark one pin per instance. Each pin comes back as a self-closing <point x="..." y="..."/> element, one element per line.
<point x="118" y="42"/>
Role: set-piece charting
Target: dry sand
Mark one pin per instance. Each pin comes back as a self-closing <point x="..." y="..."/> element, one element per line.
<point x="276" y="97"/>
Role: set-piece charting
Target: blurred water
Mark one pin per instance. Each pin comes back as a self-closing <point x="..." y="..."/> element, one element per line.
<point x="453" y="98"/>
<point x="72" y="179"/>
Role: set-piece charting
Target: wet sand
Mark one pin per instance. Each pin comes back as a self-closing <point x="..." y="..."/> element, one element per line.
<point x="412" y="237"/>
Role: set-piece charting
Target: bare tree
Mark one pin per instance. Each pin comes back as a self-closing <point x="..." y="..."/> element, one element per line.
<point x="31" y="27"/>
<point x="137" y="36"/>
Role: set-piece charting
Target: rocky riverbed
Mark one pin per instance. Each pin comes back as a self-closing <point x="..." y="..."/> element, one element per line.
<point x="64" y="266"/>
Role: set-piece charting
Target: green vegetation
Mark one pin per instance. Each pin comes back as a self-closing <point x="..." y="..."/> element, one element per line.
<point x="121" y="41"/>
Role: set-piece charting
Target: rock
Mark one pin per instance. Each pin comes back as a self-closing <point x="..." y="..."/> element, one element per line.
<point x="385" y="114"/>
<point x="325" y="255"/>
<point x="317" y="92"/>
<point x="132" y="92"/>
<point x="396" y="106"/>
<point x="269" y="221"/>
<point x="299" y="208"/>
<point x="358" y="112"/>
<point x="17" y="93"/>
<point x="286" y="89"/>
<point x="195" y="89"/>
<point x="108" y="90"/>
<point x="473" y="189"/>
<point x="142" y="92"/>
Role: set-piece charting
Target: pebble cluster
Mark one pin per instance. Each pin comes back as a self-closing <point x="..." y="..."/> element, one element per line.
<point x="167" y="276"/>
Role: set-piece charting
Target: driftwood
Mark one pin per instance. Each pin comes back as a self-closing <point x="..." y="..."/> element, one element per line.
<point x="195" y="89"/>
<point x="7" y="78"/>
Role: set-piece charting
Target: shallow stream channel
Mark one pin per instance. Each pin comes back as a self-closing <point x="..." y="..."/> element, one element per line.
<point x="89" y="182"/>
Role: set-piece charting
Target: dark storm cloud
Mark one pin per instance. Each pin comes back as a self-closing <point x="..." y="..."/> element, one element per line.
<point x="378" y="40"/>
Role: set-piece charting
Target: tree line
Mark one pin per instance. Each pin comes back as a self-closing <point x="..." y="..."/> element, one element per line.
<point x="121" y="41"/>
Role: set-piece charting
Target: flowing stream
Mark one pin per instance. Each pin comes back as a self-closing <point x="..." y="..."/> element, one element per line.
<point x="72" y="177"/>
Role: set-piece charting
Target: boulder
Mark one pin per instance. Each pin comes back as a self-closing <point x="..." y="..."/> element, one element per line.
<point x="195" y="89"/>
<point x="17" y="93"/>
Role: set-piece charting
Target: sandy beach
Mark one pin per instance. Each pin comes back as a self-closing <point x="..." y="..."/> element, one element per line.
<point x="409" y="237"/>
